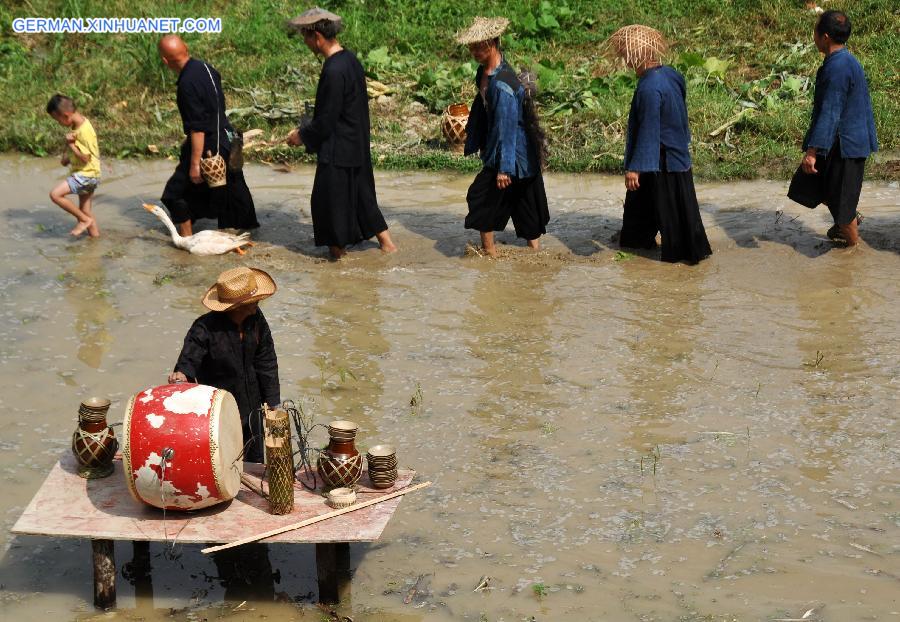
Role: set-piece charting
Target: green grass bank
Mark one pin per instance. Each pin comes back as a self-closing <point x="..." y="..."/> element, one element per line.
<point x="750" y="66"/>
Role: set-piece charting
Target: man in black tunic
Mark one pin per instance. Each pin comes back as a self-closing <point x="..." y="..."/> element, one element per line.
<point x="344" y="207"/>
<point x="231" y="348"/>
<point x="201" y="104"/>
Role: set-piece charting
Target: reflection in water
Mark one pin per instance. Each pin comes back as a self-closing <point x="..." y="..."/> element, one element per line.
<point x="510" y="338"/>
<point x="661" y="340"/>
<point x="348" y="345"/>
<point x="829" y="301"/>
<point x="88" y="294"/>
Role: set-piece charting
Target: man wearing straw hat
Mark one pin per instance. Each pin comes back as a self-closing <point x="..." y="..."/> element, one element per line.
<point x="231" y="348"/>
<point x="503" y="127"/>
<point x="344" y="206"/>
<point x="660" y="193"/>
<point x="201" y="105"/>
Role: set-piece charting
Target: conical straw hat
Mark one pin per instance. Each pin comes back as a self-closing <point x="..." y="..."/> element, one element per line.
<point x="482" y="29"/>
<point x="636" y="45"/>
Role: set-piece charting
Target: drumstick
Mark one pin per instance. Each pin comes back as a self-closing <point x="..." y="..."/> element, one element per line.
<point x="314" y="519"/>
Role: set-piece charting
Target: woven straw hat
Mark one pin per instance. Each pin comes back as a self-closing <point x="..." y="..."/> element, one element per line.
<point x="482" y="29"/>
<point x="636" y="45"/>
<point x="238" y="286"/>
<point x="313" y="16"/>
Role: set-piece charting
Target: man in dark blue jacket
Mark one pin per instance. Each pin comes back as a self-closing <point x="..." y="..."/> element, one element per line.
<point x="841" y="133"/>
<point x="503" y="127"/>
<point x="660" y="193"/>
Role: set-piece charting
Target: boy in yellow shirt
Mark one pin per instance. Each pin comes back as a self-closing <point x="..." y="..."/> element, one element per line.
<point x="84" y="162"/>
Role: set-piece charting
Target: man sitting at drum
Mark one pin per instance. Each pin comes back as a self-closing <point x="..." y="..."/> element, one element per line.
<point x="231" y="348"/>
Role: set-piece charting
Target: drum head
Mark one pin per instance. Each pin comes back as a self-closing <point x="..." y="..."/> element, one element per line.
<point x="228" y="464"/>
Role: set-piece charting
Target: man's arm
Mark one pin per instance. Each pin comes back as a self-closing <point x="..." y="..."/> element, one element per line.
<point x="834" y="87"/>
<point x="507" y="119"/>
<point x="645" y="152"/>
<point x="329" y="104"/>
<point x="197" y="140"/>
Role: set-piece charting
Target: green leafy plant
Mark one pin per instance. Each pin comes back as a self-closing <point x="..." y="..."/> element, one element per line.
<point x="540" y="590"/>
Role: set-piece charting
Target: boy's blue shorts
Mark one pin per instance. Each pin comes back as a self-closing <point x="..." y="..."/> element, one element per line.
<point x="79" y="184"/>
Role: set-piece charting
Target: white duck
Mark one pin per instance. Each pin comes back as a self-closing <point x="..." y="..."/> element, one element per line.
<point x="208" y="242"/>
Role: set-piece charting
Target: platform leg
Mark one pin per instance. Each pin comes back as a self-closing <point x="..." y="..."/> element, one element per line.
<point x="104" y="556"/>
<point x="333" y="568"/>
<point x="141" y="571"/>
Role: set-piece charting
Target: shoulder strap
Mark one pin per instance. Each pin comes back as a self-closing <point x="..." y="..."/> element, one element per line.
<point x="216" y="91"/>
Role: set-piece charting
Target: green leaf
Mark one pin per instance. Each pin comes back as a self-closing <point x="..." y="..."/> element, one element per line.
<point x="547" y="22"/>
<point x="690" y="59"/>
<point x="379" y="56"/>
<point x="792" y="84"/>
<point x="528" y="24"/>
<point x="716" y="67"/>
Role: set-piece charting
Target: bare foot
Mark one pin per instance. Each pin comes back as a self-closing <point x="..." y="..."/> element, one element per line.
<point x="534" y="244"/>
<point x="94" y="230"/>
<point x="336" y="252"/>
<point x="490" y="251"/>
<point x="386" y="243"/>
<point x="81" y="227"/>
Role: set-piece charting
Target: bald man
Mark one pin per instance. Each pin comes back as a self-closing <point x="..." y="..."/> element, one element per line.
<point x="201" y="104"/>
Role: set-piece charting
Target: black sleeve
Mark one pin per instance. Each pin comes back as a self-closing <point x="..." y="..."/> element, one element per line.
<point x="266" y="365"/>
<point x="329" y="104"/>
<point x="195" y="348"/>
<point x="195" y="114"/>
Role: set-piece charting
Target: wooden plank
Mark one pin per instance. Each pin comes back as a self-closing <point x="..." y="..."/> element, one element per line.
<point x="259" y="536"/>
<point x="68" y="506"/>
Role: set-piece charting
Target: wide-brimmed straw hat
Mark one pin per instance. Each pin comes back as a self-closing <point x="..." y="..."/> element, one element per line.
<point x="482" y="29"/>
<point x="636" y="45"/>
<point x="307" y="19"/>
<point x="238" y="286"/>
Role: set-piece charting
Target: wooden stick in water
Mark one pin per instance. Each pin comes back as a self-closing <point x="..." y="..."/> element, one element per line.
<point x="315" y="519"/>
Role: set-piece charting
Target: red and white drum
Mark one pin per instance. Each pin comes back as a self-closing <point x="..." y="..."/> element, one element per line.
<point x="181" y="446"/>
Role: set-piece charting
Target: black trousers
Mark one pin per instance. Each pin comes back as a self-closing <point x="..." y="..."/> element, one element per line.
<point x="344" y="206"/>
<point x="838" y="185"/>
<point x="666" y="203"/>
<point x="524" y="200"/>
<point x="231" y="205"/>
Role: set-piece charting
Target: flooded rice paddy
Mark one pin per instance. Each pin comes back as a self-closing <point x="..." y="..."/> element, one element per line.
<point x="610" y="437"/>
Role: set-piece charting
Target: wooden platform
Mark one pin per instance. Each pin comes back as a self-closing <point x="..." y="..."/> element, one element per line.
<point x="68" y="506"/>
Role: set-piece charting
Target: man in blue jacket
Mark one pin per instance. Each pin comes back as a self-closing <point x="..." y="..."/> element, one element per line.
<point x="841" y="133"/>
<point x="503" y="127"/>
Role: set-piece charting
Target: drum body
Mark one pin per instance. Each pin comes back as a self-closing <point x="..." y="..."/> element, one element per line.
<point x="197" y="428"/>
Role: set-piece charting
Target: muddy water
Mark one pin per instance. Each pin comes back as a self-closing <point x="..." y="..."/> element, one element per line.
<point x="611" y="438"/>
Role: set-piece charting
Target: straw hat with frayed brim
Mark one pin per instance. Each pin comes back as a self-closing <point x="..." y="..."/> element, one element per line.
<point x="636" y="45"/>
<point x="238" y="286"/>
<point x="482" y="29"/>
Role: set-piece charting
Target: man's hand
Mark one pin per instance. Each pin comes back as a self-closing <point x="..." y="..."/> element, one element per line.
<point x="177" y="376"/>
<point x="503" y="181"/>
<point x="808" y="163"/>
<point x="196" y="177"/>
<point x="70" y="137"/>
<point x="294" y="139"/>
<point x="632" y="180"/>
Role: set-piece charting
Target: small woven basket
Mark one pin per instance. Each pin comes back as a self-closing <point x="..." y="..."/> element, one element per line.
<point x="213" y="170"/>
<point x="453" y="126"/>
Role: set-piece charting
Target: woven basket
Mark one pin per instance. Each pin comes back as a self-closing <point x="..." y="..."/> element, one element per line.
<point x="453" y="126"/>
<point x="213" y="170"/>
